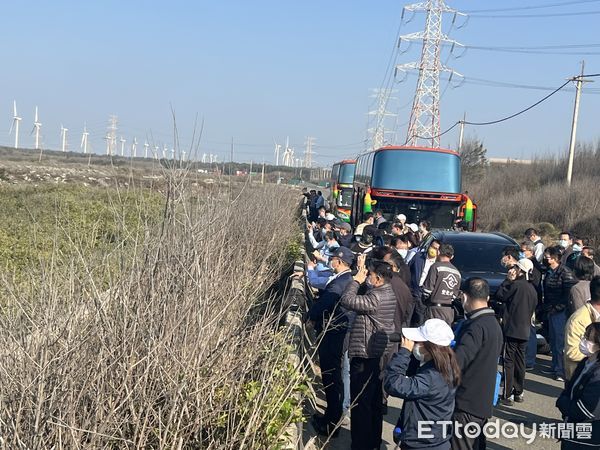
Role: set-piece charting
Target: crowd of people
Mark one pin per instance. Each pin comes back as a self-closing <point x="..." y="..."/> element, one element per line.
<point x="394" y="318"/>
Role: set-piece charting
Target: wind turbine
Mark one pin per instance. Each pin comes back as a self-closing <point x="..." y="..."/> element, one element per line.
<point x="203" y="158"/>
<point x="277" y="150"/>
<point x="84" y="139"/>
<point x="15" y="124"/>
<point x="122" y="146"/>
<point x="146" y="145"/>
<point x="63" y="132"/>
<point x="156" y="152"/>
<point x="134" y="147"/>
<point x="36" y="128"/>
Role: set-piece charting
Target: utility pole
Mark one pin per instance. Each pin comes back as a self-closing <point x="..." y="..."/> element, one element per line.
<point x="262" y="176"/>
<point x="579" y="80"/>
<point x="462" y="132"/>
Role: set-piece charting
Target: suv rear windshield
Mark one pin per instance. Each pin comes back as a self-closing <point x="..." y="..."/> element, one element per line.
<point x="478" y="256"/>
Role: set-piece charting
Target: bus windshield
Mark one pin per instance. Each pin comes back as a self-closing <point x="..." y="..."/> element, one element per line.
<point x="346" y="175"/>
<point x="416" y="170"/>
<point x="440" y="214"/>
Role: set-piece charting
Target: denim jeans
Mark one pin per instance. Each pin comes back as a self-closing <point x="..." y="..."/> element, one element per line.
<point x="557" y="322"/>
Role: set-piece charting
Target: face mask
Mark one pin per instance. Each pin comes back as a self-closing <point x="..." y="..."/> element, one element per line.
<point x="432" y="253"/>
<point x="577" y="248"/>
<point x="368" y="283"/>
<point x="563" y="243"/>
<point x="522" y="255"/>
<point x="403" y="252"/>
<point x="588" y="348"/>
<point x="416" y="351"/>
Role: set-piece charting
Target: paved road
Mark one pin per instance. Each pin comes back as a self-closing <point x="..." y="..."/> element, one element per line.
<point x="540" y="394"/>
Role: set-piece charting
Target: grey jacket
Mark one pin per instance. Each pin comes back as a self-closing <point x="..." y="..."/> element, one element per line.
<point x="579" y="295"/>
<point x="369" y="335"/>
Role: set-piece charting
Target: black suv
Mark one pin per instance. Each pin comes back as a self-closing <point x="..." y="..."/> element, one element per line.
<point x="476" y="254"/>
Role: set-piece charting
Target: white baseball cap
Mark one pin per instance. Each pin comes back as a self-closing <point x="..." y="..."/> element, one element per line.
<point x="526" y="266"/>
<point x="401" y="217"/>
<point x="413" y="227"/>
<point x="435" y="331"/>
<point x="329" y="216"/>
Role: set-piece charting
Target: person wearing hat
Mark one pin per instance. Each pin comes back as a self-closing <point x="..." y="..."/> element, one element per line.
<point x="520" y="299"/>
<point x="331" y="322"/>
<point x="429" y="394"/>
<point x="344" y="234"/>
<point x="401" y="219"/>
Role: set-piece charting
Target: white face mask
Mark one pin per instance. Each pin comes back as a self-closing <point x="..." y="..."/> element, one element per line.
<point x="416" y="351"/>
<point x="403" y="252"/>
<point x="588" y="348"/>
<point x="563" y="243"/>
<point x="577" y="248"/>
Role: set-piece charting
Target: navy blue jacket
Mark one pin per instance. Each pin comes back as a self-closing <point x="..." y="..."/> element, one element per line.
<point x="327" y="307"/>
<point x="580" y="403"/>
<point x="416" y="265"/>
<point x="427" y="397"/>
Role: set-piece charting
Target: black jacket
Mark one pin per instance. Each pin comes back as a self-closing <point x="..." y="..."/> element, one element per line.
<point x="520" y="299"/>
<point x="580" y="402"/>
<point x="426" y="396"/>
<point x="478" y="347"/>
<point x="442" y="283"/>
<point x="327" y="306"/>
<point x="557" y="284"/>
<point x="404" y="302"/>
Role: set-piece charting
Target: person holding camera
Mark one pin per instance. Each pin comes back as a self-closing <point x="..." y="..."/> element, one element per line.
<point x="369" y="341"/>
<point x="429" y="395"/>
<point x="520" y="300"/>
<point x="331" y="323"/>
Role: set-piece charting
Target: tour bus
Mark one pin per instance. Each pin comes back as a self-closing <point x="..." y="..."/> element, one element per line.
<point x="342" y="176"/>
<point x="421" y="183"/>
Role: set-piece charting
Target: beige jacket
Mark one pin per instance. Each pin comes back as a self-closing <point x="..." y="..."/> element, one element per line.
<point x="574" y="330"/>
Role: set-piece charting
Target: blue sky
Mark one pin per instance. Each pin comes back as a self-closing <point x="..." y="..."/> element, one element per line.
<point x="261" y="70"/>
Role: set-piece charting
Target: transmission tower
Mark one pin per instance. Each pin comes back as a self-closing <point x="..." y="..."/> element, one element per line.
<point x="378" y="130"/>
<point x="308" y="152"/>
<point x="111" y="135"/>
<point x="425" y="115"/>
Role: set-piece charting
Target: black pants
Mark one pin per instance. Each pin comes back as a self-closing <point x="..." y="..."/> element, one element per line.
<point x="366" y="415"/>
<point x="418" y="315"/>
<point x="514" y="365"/>
<point x="445" y="313"/>
<point x="331" y="351"/>
<point x="463" y="442"/>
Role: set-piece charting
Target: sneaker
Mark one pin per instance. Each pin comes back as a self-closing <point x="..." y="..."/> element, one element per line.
<point x="529" y="368"/>
<point x="507" y="401"/>
<point x="559" y="378"/>
<point x="519" y="398"/>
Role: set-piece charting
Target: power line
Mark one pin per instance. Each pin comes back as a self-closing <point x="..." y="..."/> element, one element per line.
<point x="532" y="16"/>
<point x="521" y="8"/>
<point x="492" y="122"/>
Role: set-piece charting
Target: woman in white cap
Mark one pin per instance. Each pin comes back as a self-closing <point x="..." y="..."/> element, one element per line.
<point x="429" y="394"/>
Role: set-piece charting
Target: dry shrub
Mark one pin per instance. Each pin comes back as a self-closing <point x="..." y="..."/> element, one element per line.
<point x="513" y="197"/>
<point x="173" y="354"/>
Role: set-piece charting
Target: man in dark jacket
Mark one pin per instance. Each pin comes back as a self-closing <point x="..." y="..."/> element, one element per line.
<point x="441" y="286"/>
<point x="528" y="250"/>
<point x="478" y="347"/>
<point x="331" y="321"/>
<point x="419" y="266"/>
<point x="369" y="341"/>
<point x="520" y="300"/>
<point x="557" y="285"/>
